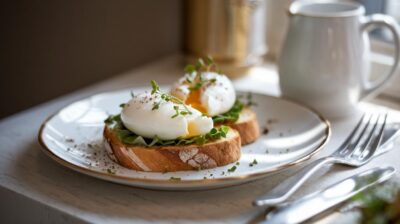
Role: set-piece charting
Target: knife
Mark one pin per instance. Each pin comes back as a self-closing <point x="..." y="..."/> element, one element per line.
<point x="313" y="204"/>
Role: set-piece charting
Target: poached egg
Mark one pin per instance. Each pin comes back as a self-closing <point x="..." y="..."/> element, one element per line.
<point x="209" y="92"/>
<point x="140" y="117"/>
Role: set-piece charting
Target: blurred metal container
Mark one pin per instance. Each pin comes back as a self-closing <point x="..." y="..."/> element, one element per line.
<point x="231" y="31"/>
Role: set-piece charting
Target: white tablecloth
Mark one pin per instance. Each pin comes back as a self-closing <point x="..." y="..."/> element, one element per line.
<point x="33" y="188"/>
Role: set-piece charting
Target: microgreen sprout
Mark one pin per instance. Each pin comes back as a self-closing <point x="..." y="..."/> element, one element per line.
<point x="184" y="110"/>
<point x="206" y="65"/>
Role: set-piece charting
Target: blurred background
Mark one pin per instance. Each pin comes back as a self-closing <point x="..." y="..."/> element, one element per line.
<point x="51" y="47"/>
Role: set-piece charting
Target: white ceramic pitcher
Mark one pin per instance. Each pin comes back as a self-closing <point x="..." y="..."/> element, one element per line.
<point x="325" y="58"/>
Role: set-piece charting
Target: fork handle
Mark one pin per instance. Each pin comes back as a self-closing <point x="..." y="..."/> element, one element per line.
<point x="285" y="189"/>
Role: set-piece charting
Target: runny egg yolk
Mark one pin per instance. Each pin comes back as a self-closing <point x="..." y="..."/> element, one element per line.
<point x="194" y="100"/>
<point x="192" y="129"/>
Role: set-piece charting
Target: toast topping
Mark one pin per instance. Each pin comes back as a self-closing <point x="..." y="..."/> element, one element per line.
<point x="130" y="138"/>
<point x="205" y="89"/>
<point x="158" y="115"/>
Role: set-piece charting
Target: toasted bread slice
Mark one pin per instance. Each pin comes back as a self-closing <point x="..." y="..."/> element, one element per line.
<point x="247" y="126"/>
<point x="174" y="158"/>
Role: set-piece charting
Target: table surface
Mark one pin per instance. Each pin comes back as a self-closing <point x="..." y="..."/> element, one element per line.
<point x="33" y="187"/>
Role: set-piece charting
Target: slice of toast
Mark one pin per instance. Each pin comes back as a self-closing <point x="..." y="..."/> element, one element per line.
<point x="174" y="158"/>
<point x="247" y="126"/>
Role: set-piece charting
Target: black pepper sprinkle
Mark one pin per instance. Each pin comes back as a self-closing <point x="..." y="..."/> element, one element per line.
<point x="265" y="131"/>
<point x="253" y="163"/>
<point x="272" y="120"/>
<point x="69" y="140"/>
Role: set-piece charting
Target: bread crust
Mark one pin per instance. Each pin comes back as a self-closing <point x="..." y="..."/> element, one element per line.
<point x="247" y="126"/>
<point x="174" y="158"/>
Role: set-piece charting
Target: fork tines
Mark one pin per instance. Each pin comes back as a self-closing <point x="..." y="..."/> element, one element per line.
<point x="365" y="138"/>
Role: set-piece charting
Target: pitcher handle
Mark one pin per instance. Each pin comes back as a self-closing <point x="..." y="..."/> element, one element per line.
<point x="385" y="21"/>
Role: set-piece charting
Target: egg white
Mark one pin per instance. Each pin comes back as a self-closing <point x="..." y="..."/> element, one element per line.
<point x="217" y="97"/>
<point x="139" y="117"/>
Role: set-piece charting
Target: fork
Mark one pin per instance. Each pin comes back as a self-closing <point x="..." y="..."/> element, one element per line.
<point x="357" y="150"/>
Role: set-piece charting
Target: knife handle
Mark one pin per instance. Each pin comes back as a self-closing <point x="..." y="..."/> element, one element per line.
<point x="285" y="189"/>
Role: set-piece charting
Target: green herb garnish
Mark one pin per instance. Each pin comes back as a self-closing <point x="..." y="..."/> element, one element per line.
<point x="130" y="138"/>
<point x="184" y="110"/>
<point x="202" y="66"/>
<point x="175" y="178"/>
<point x="232" y="115"/>
<point x="110" y="171"/>
<point x="197" y="81"/>
<point x="196" y="86"/>
<point x="232" y="169"/>
<point x="112" y="119"/>
<point x="380" y="204"/>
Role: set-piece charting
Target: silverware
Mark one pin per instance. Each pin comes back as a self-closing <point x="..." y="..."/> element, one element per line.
<point x="355" y="151"/>
<point x="318" y="202"/>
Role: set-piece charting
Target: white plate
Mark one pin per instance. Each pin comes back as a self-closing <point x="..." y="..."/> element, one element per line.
<point x="73" y="138"/>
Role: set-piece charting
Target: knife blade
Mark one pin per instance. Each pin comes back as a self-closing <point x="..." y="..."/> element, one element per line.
<point x="313" y="204"/>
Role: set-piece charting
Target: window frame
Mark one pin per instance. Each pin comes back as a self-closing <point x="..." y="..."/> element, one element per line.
<point x="382" y="60"/>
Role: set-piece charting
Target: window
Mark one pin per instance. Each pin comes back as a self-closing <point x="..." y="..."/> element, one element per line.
<point x="382" y="43"/>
